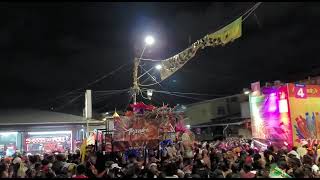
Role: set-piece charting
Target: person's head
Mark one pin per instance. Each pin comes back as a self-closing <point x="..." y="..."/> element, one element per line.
<point x="247" y="168"/>
<point x="223" y="166"/>
<point x="3" y="171"/>
<point x="256" y="157"/>
<point x="171" y="169"/>
<point x="205" y="153"/>
<point x="60" y="157"/>
<point x="187" y="175"/>
<point x="282" y="165"/>
<point x="37" y="166"/>
<point x="195" y="176"/>
<point x="294" y="148"/>
<point x="294" y="163"/>
<point x="310" y="152"/>
<point x="271" y="148"/>
<point x="250" y="152"/>
<point x="81" y="169"/>
<point x="299" y="173"/>
<point x="217" y="173"/>
<point x="32" y="159"/>
<point x="307" y="160"/>
<point x="307" y="171"/>
<point x="180" y="173"/>
<point x="45" y="162"/>
<point x="153" y="168"/>
<point x="243" y="154"/>
<point x="235" y="167"/>
<point x="229" y="175"/>
<point x="50" y="174"/>
<point x="132" y="157"/>
<point x="51" y="158"/>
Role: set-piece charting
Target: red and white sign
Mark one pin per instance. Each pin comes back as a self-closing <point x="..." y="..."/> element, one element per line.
<point x="255" y="88"/>
<point x="39" y="140"/>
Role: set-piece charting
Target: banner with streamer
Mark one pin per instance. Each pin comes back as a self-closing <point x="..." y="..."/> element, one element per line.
<point x="135" y="132"/>
<point x="223" y="36"/>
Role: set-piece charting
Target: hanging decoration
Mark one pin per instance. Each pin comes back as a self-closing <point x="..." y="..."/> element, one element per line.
<point x="223" y="36"/>
<point x="140" y="108"/>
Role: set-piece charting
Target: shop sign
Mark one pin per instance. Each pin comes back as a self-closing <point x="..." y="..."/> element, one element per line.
<point x="45" y="140"/>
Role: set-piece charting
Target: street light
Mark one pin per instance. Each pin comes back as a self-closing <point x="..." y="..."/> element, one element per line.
<point x="149" y="40"/>
<point x="246" y="91"/>
<point x="158" y="67"/>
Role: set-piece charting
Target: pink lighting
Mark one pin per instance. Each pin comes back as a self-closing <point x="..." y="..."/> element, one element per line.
<point x="270" y="116"/>
<point x="272" y="102"/>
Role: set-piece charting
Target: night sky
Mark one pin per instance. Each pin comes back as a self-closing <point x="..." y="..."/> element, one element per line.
<point x="49" y="49"/>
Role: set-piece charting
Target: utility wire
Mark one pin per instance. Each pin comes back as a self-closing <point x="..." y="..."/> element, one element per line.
<point x="127" y="104"/>
<point x="180" y="95"/>
<point x="107" y="91"/>
<point x="250" y="11"/>
<point x="99" y="95"/>
<point x="102" y="98"/>
<point x="95" y="81"/>
<point x="70" y="102"/>
<point x="154" y="79"/>
<point x="188" y="97"/>
<point x="186" y="93"/>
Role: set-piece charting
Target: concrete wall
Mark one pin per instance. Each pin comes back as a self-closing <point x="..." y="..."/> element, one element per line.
<point x="245" y="109"/>
<point x="203" y="112"/>
<point x="246" y="133"/>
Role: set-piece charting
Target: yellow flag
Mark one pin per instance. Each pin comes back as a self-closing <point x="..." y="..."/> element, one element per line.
<point x="227" y="34"/>
<point x="221" y="37"/>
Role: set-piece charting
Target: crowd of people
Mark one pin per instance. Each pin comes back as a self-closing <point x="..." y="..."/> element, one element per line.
<point x="227" y="158"/>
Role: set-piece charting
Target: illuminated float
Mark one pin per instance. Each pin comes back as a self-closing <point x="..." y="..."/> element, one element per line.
<point x="286" y="115"/>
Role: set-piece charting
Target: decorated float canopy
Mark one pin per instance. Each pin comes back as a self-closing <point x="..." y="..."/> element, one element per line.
<point x="148" y="126"/>
<point x="286" y="115"/>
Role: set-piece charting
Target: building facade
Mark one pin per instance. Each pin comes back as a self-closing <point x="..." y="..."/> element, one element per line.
<point x="222" y="116"/>
<point x="34" y="131"/>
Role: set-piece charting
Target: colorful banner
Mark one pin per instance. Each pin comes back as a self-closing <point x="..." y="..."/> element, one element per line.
<point x="270" y="116"/>
<point x="134" y="132"/>
<point x="223" y="36"/>
<point x="304" y="103"/>
<point x="289" y="114"/>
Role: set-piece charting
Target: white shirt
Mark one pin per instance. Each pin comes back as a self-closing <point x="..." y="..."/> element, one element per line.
<point x="315" y="168"/>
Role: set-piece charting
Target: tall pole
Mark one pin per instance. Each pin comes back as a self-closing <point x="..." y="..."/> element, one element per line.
<point x="88" y="109"/>
<point x="135" y="75"/>
<point x="135" y="80"/>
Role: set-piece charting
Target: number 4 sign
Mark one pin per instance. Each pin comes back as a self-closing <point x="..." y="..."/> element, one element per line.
<point x="300" y="91"/>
